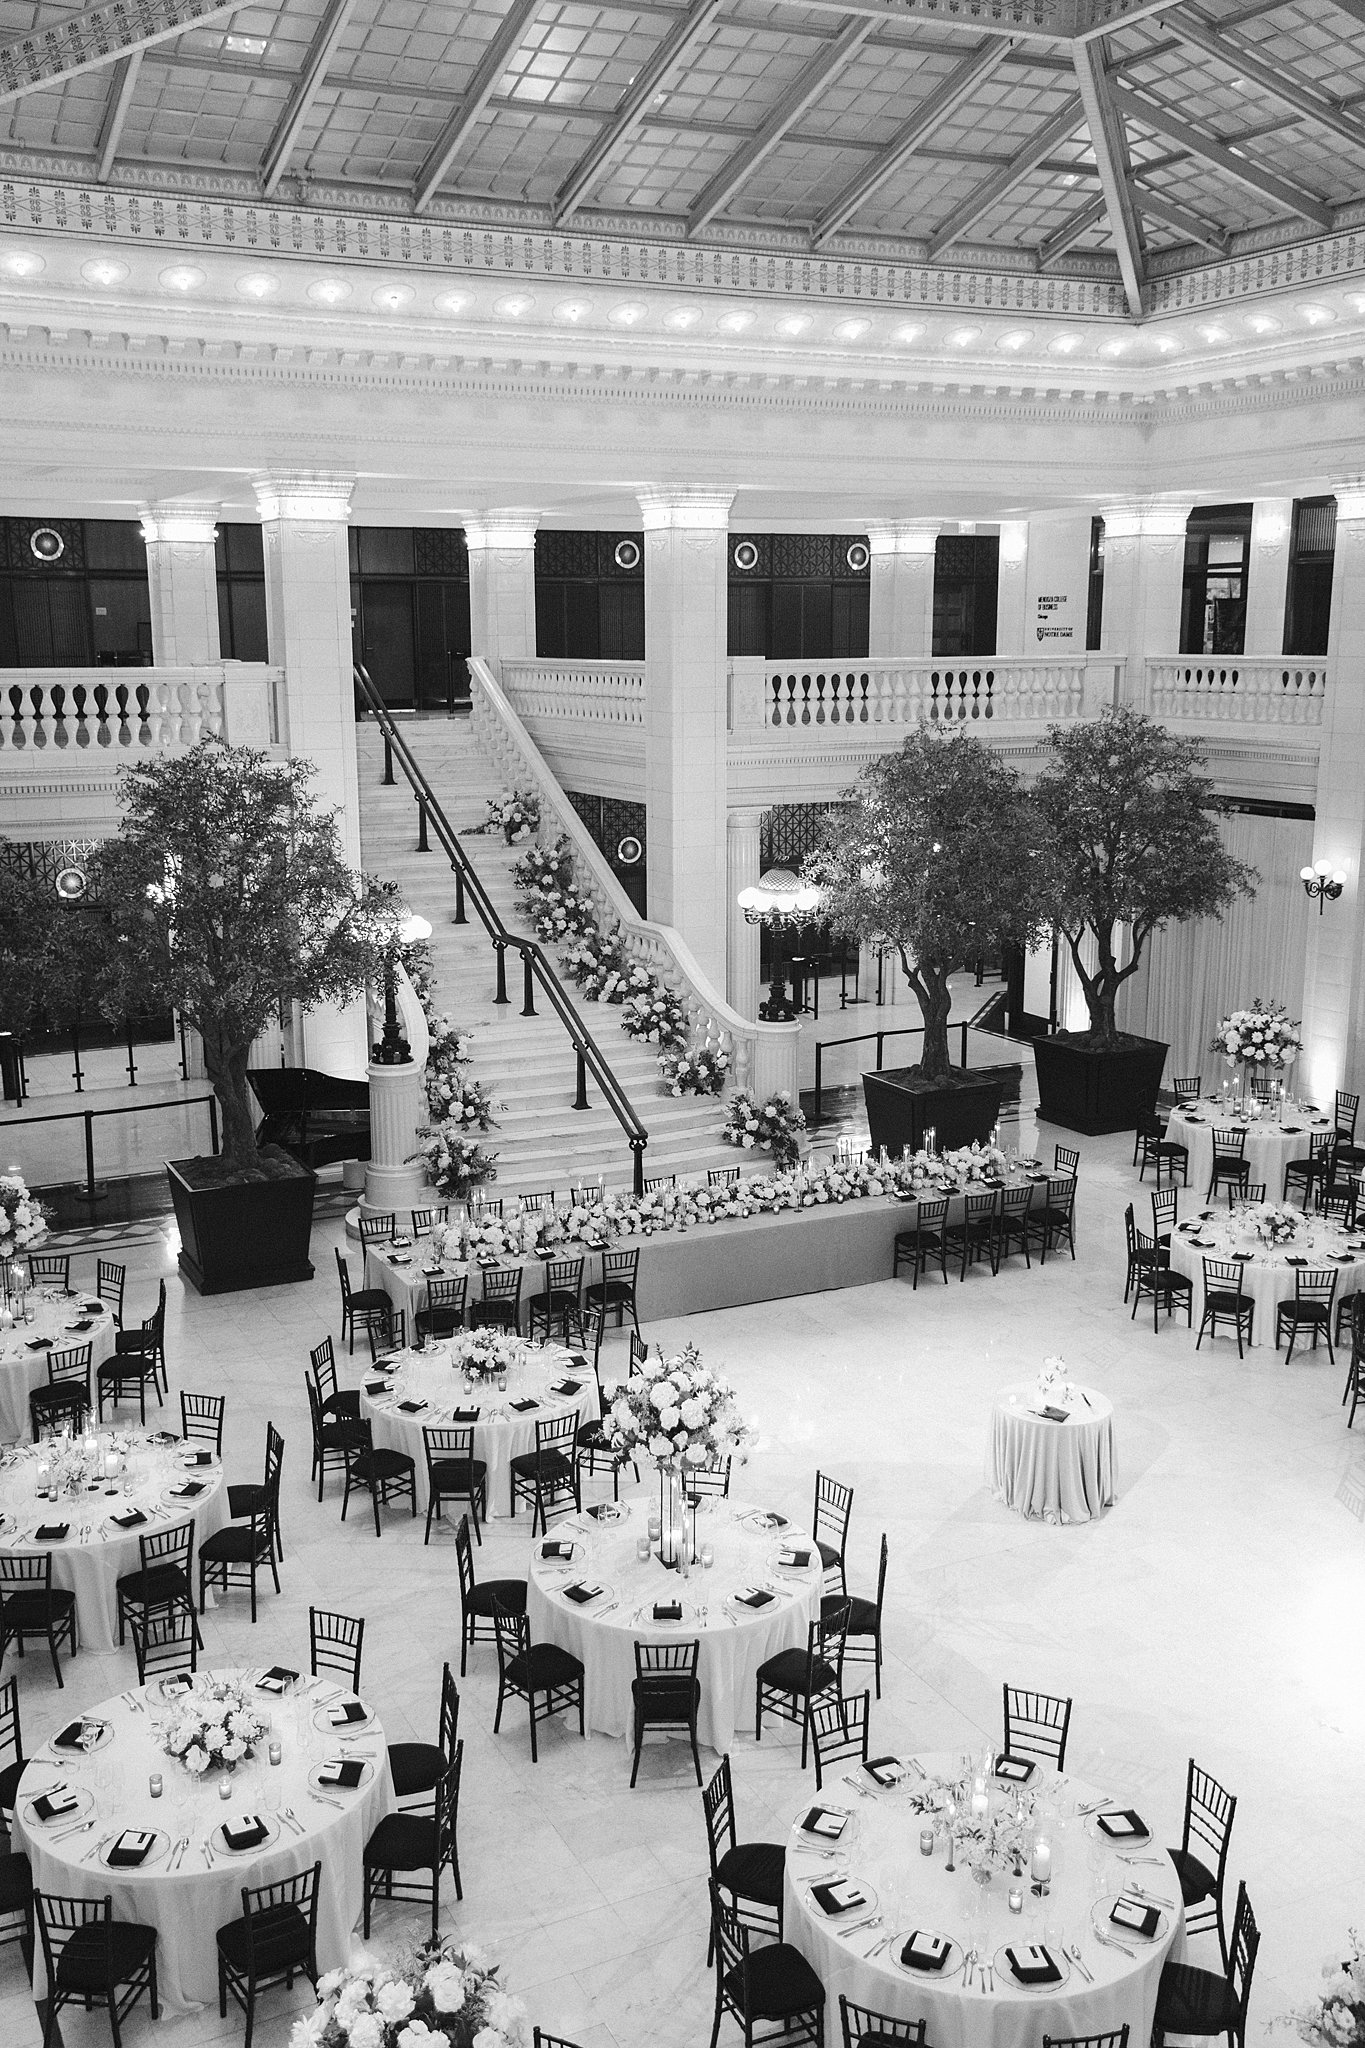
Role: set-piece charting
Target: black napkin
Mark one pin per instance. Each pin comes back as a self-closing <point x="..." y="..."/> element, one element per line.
<point x="579" y="1359"/>
<point x="83" y="1324"/>
<point x="668" y="1610"/>
<point x="1241" y="1258"/>
<point x="246" y="1834"/>
<point x="348" y="1773"/>
<point x="373" y="1387"/>
<point x="1051" y="1414"/>
<point x="129" y="1520"/>
<point x="811" y="1824"/>
<point x="51" y="1532"/>
<point x="605" y="1511"/>
<point x="39" y="1344"/>
<point x="92" y="1308"/>
<point x="581" y="1594"/>
<point x="354" y="1710"/>
<point x="522" y="1406"/>
<point x="399" y="1259"/>
<point x="178" y="1682"/>
<point x="554" y="1548"/>
<point x="432" y="1272"/>
<point x="754" y="1598"/>
<point x="70" y="1737"/>
<point x="276" y="1678"/>
<point x="925" y="1959"/>
<point x="200" y="1457"/>
<point x="189" y="1490"/>
<point x="1135" y="1917"/>
<point x="1019" y="1769"/>
<point x="882" y="1768"/>
<point x="1296" y="1262"/>
<point x="411" y="1407"/>
<point x="794" y="1560"/>
<point x="1121" y="1826"/>
<point x="61" y="1807"/>
<point x="567" y="1387"/>
<point x="1033" y="1966"/>
<point x="824" y="1896"/>
<point x="465" y="1414"/>
<point x="131" y="1849"/>
<point x="772" y="1520"/>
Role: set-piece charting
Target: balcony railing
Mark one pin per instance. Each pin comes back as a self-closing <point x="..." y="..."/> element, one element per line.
<point x="74" y="711"/>
<point x="790" y="699"/>
<point x="599" y="692"/>
<point x="1248" y="689"/>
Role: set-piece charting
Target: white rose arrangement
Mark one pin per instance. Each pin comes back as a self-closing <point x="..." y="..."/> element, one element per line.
<point x="483" y="1354"/>
<point x="23" y="1223"/>
<point x="1337" y="2018"/>
<point x="1260" y="1037"/>
<point x="215" y="1727"/>
<point x="436" y="1997"/>
<point x="675" y="1409"/>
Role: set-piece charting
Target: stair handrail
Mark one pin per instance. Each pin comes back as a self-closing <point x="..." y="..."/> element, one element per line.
<point x="763" y="1057"/>
<point x="536" y="964"/>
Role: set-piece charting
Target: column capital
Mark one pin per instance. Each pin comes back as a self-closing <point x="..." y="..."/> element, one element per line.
<point x="509" y="528"/>
<point x="1013" y="540"/>
<point x="193" y="523"/>
<point x="1350" y="497"/>
<point x="903" y="536"/>
<point x="684" y="508"/>
<point x="1150" y="518"/>
<point x="746" y="818"/>
<point x="321" y="500"/>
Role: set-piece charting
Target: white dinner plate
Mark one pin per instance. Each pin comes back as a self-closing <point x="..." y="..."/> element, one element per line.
<point x="550" y="1564"/>
<point x="797" y="1571"/>
<point x="161" y="1842"/>
<point x="856" y="1916"/>
<point x="322" y="1720"/>
<point x="329" y="1785"/>
<point x="272" y="1831"/>
<point x="1115" y="1841"/>
<point x="84" y="1801"/>
<point x="1102" y="1924"/>
<point x="1005" y="1978"/>
<point x="847" y="1833"/>
<point x="184" y="1503"/>
<point x="951" y="1968"/>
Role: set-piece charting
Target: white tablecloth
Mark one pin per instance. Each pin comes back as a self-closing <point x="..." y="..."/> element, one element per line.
<point x="1267" y="1276"/>
<point x="500" y="1434"/>
<point x="23" y="1368"/>
<point x="188" y="1905"/>
<point x="1060" y="1471"/>
<point x="89" y="1564"/>
<point x="735" y="1640"/>
<point x="1269" y="1147"/>
<point x="914" y="1891"/>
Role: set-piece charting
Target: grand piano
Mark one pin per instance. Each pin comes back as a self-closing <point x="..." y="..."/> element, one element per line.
<point x="315" y="1117"/>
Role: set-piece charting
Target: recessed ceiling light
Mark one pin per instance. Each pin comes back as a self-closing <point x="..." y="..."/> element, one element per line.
<point x="911" y="331"/>
<point x="1214" y="333"/>
<point x="963" y="337"/>
<point x="629" y="314"/>
<point x="852" y="330"/>
<point x="1263" y="323"/>
<point x="1316" y="316"/>
<point x="23" y="263"/>
<point x="1166" y="344"/>
<point x="513" y="304"/>
<point x="571" y="311"/>
<point x="393" y="297"/>
<point x="1114" y="347"/>
<point x="257" y="285"/>
<point x="183" y="277"/>
<point x="454" y="302"/>
<point x="1070" y="178"/>
<point x="1016" y="338"/>
<point x="329" y="291"/>
<point x="1064" y="345"/>
<point x="793" y="324"/>
<point x="246" y="46"/>
<point x="679" y="318"/>
<point x="734" y="323"/>
<point x="104" y="270"/>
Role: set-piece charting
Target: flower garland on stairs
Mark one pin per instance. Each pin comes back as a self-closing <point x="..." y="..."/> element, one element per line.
<point x="457" y="1105"/>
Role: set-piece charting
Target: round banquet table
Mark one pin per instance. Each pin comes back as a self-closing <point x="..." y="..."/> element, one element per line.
<point x="188" y="1904"/>
<point x="735" y="1639"/>
<point x="1267" y="1276"/>
<point x="500" y="1433"/>
<point x="24" y="1348"/>
<point x="1057" y="1471"/>
<point x="1270" y="1144"/>
<point x="880" y="1850"/>
<point x="96" y="1553"/>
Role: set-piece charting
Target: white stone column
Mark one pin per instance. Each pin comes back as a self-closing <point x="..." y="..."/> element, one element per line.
<point x="686" y="600"/>
<point x="1010" y="607"/>
<point x="901" y="600"/>
<point x="502" y="586"/>
<point x="1334" y="974"/>
<point x="182" y="577"/>
<point x="741" y="872"/>
<point x="397" y="1107"/>
<point x="308" y="621"/>
<point x="1272" y="522"/>
<point x="1144" y="567"/>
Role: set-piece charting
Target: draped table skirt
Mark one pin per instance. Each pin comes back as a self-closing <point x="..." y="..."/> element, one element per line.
<point x="1055" y="1471"/>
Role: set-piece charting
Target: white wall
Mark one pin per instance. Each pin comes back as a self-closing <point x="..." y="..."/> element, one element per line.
<point x="1056" y="590"/>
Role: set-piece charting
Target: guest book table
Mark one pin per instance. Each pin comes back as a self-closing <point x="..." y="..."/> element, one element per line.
<point x="96" y="1552"/>
<point x="735" y="1637"/>
<point x="1058" y="1467"/>
<point x="190" y="1883"/>
<point x="974" y="2000"/>
<point x="1270" y="1145"/>
<point x="1267" y="1272"/>
<point x="58" y="1325"/>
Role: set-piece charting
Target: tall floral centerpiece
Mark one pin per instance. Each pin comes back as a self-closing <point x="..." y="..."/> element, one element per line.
<point x="1336" y="2019"/>
<point x="1261" y="1041"/>
<point x="675" y="1412"/>
<point x="23" y="1224"/>
<point x="440" y="1996"/>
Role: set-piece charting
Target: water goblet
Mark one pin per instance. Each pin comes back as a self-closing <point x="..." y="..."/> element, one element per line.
<point x="708" y="1556"/>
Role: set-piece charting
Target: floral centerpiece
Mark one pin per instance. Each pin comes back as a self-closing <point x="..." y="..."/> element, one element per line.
<point x="992" y="1831"/>
<point x="696" y="1073"/>
<point x="515" y="813"/>
<point x="675" y="1409"/>
<point x="1336" y="2019"/>
<point x="1274" y="1223"/>
<point x="23" y="1223"/>
<point x="484" y="1354"/>
<point x="214" y="1728"/>
<point x="773" y="1125"/>
<point x="455" y="1163"/>
<point x="1260" y="1037"/>
<point x="440" y="1996"/>
<point x="1053" y="1382"/>
<point x="970" y="1166"/>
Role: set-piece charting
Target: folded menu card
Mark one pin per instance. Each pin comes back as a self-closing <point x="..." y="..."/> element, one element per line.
<point x="580" y="1594"/>
<point x="555" y="1547"/>
<point x="1033" y="1965"/>
<point x="276" y="1678"/>
<point x="772" y="1520"/>
<point x="129" y="1519"/>
<point x="825" y="1820"/>
<point x="605" y="1511"/>
<point x="925" y="1951"/>
<point x="1122" y="1825"/>
<point x="1018" y="1769"/>
<point x="133" y="1846"/>
<point x="178" y="1682"/>
<point x="668" y="1610"/>
<point x="51" y="1532"/>
<point x="887" y="1770"/>
<point x="839" y="1896"/>
<point x="341" y="1770"/>
<point x="754" y="1597"/>
<point x="77" y="1733"/>
<point x="189" y="1490"/>
<point x="794" y="1559"/>
<point x="245" y="1830"/>
<point x="52" y="1805"/>
<point x="348" y="1712"/>
<point x="1137" y="1918"/>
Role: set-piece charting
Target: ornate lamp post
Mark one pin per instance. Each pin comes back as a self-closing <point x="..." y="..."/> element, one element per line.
<point x="783" y="902"/>
<point x="393" y="1049"/>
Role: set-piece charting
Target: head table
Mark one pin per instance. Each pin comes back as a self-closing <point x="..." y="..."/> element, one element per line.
<point x="96" y="1552"/>
<point x="877" y="1852"/>
<point x="1058" y="1467"/>
<point x="422" y="1390"/>
<point x="735" y="1637"/>
<point x="1270" y="1142"/>
<point x="60" y="1322"/>
<point x="1267" y="1271"/>
<point x="191" y="1883"/>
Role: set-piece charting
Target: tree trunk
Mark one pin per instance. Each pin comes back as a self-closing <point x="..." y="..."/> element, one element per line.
<point x="935" y="1001"/>
<point x="225" y="1062"/>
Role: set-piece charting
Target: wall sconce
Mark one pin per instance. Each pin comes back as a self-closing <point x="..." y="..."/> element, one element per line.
<point x="1323" y="881"/>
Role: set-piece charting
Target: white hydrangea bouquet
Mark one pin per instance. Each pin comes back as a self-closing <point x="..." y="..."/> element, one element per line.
<point x="22" y="1221"/>
<point x="1274" y="1223"/>
<point x="483" y="1354"/>
<point x="1053" y="1383"/>
<point x="675" y="1408"/>
<point x="1260" y="1037"/>
<point x="438" y="1997"/>
<point x="215" y="1727"/>
<point x="1337" y="2018"/>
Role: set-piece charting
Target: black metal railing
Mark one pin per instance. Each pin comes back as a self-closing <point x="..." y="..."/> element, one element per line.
<point x="535" y="963"/>
<point x="94" y="1195"/>
<point x="866" y="1038"/>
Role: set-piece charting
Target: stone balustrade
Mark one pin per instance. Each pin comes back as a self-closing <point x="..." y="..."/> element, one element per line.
<point x="1246" y="689"/>
<point x="599" y="692"/>
<point x="56" y="714"/>
<point x="787" y="700"/>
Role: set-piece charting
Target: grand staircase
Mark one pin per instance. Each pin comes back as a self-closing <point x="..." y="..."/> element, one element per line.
<point x="526" y="1063"/>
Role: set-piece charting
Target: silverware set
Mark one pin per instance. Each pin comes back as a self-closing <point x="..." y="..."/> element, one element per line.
<point x="1075" y="1955"/>
<point x="95" y="1847"/>
<point x="177" y="1852"/>
<point x="287" y="1813"/>
<point x="1109" y="1941"/>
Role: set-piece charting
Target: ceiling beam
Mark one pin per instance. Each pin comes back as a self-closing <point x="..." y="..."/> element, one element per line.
<point x="1281" y="81"/>
<point x="991" y="190"/>
<point x="311" y="79"/>
<point x="1134" y="12"/>
<point x="1355" y="8"/>
<point x="1080" y="223"/>
<point x="497" y="55"/>
<point x="930" y="115"/>
<point x="1223" y="157"/>
<point x="1180" y="220"/>
<point x="632" y="107"/>
<point x="121" y="90"/>
<point x="804" y="90"/>
<point x="1110" y="144"/>
<point x="84" y="42"/>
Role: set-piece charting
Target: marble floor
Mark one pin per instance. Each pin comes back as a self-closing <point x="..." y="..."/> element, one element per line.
<point x="1215" y="1611"/>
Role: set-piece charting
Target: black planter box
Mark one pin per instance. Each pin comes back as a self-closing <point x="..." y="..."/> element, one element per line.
<point x="237" y="1233"/>
<point x="1083" y="1088"/>
<point x="901" y="1107"/>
